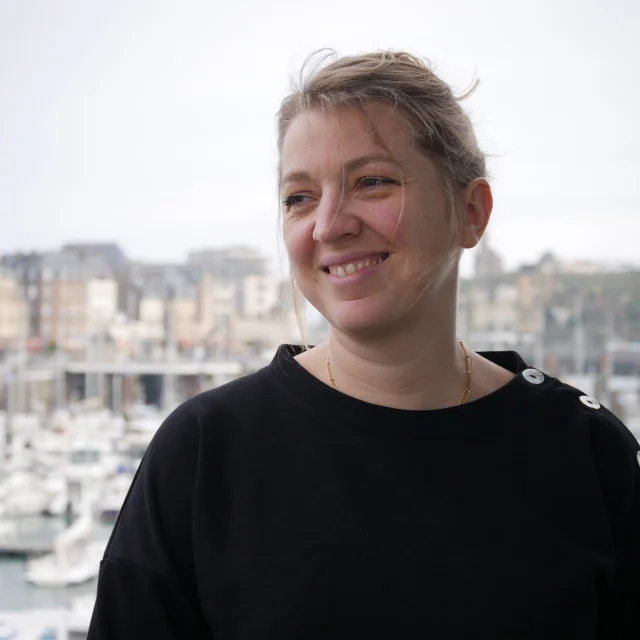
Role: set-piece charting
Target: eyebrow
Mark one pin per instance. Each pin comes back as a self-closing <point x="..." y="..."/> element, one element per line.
<point x="349" y="166"/>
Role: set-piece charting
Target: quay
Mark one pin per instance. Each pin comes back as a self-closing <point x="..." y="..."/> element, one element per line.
<point x="25" y="548"/>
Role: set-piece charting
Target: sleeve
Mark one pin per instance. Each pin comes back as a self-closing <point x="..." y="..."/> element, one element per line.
<point x="617" y="457"/>
<point x="134" y="602"/>
<point x="626" y="588"/>
<point x="147" y="586"/>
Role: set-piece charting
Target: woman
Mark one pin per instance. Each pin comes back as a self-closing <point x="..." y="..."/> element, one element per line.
<point x="388" y="481"/>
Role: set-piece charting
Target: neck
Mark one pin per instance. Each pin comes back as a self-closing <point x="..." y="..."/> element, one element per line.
<point x="418" y="367"/>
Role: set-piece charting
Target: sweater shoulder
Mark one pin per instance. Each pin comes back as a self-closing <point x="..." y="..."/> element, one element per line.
<point x="234" y="395"/>
<point x="244" y="394"/>
<point x="613" y="448"/>
<point x="567" y="400"/>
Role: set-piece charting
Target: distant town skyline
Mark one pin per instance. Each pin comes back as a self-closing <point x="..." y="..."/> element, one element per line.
<point x="278" y="265"/>
<point x="152" y="125"/>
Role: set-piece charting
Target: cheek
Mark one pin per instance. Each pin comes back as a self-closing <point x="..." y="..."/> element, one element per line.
<point x="298" y="239"/>
<point x="420" y="229"/>
<point x="389" y="222"/>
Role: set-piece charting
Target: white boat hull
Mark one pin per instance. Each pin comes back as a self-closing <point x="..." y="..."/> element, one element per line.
<point x="79" y="615"/>
<point x="49" y="572"/>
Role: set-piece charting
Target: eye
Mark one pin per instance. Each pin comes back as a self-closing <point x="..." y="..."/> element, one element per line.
<point x="375" y="182"/>
<point x="293" y="200"/>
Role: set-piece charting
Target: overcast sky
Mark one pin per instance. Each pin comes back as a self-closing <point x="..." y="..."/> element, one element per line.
<point x="151" y="123"/>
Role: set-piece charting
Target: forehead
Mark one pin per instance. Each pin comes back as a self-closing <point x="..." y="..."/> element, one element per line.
<point x="323" y="138"/>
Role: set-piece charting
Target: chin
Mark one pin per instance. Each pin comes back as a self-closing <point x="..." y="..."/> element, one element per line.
<point x="363" y="316"/>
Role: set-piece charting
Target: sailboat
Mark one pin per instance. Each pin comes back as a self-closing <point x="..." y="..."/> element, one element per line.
<point x="75" y="558"/>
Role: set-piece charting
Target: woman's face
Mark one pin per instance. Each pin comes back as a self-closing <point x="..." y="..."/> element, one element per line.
<point x="365" y="214"/>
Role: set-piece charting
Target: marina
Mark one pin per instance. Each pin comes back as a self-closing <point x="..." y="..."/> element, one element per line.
<point x="62" y="485"/>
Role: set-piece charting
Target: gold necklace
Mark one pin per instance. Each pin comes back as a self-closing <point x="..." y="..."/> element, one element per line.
<point x="467" y="362"/>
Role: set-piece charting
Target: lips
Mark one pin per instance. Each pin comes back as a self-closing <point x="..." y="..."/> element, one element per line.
<point x="342" y="267"/>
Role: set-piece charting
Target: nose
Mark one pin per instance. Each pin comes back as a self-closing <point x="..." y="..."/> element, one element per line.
<point x="334" y="220"/>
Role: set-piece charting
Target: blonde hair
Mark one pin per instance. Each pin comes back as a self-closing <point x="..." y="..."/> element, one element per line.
<point x="437" y="123"/>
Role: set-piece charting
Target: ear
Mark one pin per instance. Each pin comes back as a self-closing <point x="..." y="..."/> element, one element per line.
<point x="477" y="203"/>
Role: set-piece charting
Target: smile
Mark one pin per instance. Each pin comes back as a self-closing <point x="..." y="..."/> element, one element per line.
<point x="349" y="268"/>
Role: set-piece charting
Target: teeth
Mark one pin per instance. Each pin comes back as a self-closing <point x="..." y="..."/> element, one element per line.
<point x="352" y="267"/>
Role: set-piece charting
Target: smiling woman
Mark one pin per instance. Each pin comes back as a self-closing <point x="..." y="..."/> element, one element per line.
<point x="389" y="481"/>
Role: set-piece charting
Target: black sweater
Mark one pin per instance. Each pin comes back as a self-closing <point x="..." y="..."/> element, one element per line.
<point x="277" y="507"/>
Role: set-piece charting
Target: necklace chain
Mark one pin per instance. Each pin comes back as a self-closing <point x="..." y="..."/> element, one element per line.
<point x="469" y="373"/>
<point x="467" y="363"/>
